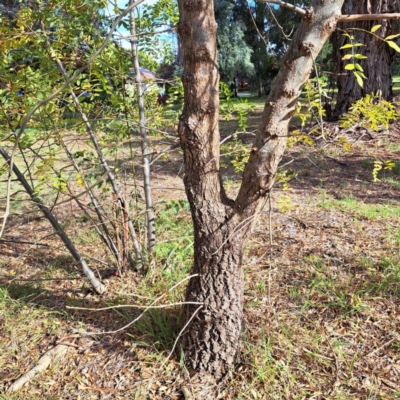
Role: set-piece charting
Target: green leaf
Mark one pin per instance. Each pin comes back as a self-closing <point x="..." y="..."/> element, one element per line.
<point x="359" y="79"/>
<point x="375" y="28"/>
<point x="347" y="46"/>
<point x="393" y="45"/>
<point x="349" y="67"/>
<point x="360" y="56"/>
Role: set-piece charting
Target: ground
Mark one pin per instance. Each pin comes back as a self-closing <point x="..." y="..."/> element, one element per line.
<point x="322" y="319"/>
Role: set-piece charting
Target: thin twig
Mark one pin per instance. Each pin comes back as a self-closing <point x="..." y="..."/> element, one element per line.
<point x="298" y="10"/>
<point x="133" y="306"/>
<point x="141" y="315"/>
<point x="238" y="228"/>
<point x="23" y="242"/>
<point x="180" y="334"/>
<point x="277" y="23"/>
<point x="255" y="24"/>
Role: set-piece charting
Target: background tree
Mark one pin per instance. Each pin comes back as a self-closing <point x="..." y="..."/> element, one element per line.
<point x="377" y="65"/>
<point x="234" y="55"/>
<point x="265" y="33"/>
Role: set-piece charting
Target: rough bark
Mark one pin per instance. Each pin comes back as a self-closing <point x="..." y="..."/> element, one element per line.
<point x="380" y="55"/>
<point x="221" y="225"/>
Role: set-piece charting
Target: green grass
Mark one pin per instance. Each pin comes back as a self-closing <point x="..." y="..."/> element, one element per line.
<point x="361" y="209"/>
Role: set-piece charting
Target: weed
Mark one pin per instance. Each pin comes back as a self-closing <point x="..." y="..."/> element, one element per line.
<point x="159" y="327"/>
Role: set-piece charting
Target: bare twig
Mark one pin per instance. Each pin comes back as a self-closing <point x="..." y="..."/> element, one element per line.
<point x="278" y="25"/>
<point x="270" y="245"/>
<point x="301" y="11"/>
<point x="241" y="225"/>
<point x="133" y="306"/>
<point x="141" y="315"/>
<point x="180" y="334"/>
<point x="366" y="17"/>
<point x="23" y="242"/>
<point x="255" y="24"/>
<point x="8" y="200"/>
<point x="381" y="347"/>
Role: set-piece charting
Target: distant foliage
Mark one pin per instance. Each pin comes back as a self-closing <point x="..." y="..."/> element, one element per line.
<point x="234" y="55"/>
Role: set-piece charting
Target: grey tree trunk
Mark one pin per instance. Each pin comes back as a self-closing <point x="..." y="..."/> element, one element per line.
<point x="150" y="220"/>
<point x="221" y="225"/>
<point x="380" y="55"/>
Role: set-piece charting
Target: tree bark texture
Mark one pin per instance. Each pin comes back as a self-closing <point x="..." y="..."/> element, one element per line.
<point x="380" y="55"/>
<point x="221" y="225"/>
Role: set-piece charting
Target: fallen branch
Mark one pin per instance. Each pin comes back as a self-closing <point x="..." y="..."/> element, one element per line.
<point x="44" y="362"/>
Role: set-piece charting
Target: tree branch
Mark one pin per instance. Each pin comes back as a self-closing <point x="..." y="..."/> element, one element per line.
<point x="297" y="10"/>
<point x="343" y="18"/>
<point x="367" y="17"/>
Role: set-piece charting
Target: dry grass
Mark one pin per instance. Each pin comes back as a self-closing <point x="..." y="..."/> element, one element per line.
<point x="330" y="329"/>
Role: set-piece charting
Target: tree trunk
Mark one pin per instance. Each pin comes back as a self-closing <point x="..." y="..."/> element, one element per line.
<point x="221" y="225"/>
<point x="211" y="343"/>
<point x="150" y="219"/>
<point x="380" y="55"/>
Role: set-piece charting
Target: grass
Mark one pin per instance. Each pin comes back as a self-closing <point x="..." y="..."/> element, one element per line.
<point x="361" y="209"/>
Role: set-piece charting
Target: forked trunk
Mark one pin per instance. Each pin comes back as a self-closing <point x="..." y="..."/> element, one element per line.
<point x="221" y="224"/>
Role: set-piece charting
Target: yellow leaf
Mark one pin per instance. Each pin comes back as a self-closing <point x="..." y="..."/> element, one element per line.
<point x="393" y="45"/>
<point x="392" y="36"/>
<point x="349" y="67"/>
<point x="347" y="57"/>
<point x="375" y="28"/>
<point x="359" y="79"/>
